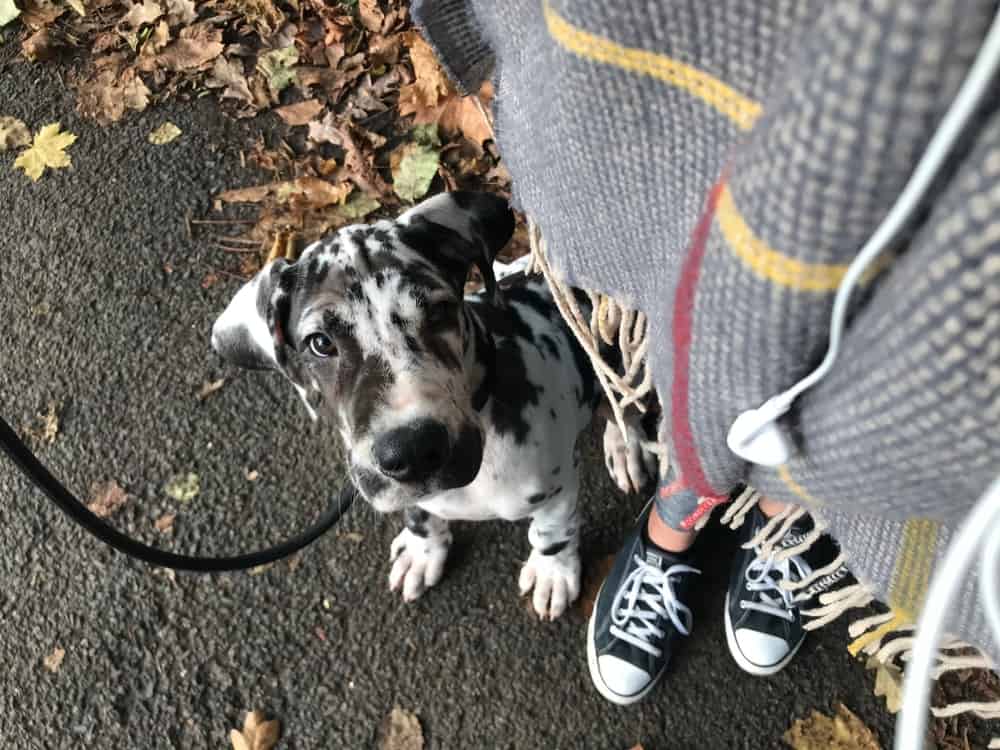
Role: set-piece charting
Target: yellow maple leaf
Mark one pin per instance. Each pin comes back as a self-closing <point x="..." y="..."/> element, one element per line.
<point x="47" y="150"/>
<point x="844" y="731"/>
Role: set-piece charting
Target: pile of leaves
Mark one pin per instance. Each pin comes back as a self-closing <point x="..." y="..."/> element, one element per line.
<point x="370" y="121"/>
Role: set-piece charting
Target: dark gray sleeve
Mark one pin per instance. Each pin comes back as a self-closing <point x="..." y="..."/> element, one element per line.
<point x="452" y="29"/>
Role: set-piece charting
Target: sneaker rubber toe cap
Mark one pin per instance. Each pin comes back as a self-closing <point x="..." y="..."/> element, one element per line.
<point x="620" y="677"/>
<point x="761" y="649"/>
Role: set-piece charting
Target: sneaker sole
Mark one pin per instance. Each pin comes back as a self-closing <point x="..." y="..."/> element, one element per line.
<point x="595" y="672"/>
<point x="745" y="664"/>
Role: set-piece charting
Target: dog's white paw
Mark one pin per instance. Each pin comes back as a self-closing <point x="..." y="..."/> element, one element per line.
<point x="629" y="464"/>
<point x="555" y="580"/>
<point x="417" y="562"/>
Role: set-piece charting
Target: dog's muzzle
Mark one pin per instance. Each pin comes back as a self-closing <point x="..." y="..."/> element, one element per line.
<point x="422" y="455"/>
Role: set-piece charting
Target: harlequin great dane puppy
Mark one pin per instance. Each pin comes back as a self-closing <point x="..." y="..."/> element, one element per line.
<point x="450" y="407"/>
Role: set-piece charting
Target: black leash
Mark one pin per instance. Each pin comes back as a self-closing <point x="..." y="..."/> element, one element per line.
<point x="29" y="464"/>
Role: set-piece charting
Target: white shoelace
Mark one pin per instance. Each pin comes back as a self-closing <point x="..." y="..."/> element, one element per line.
<point x="638" y="626"/>
<point x="759" y="580"/>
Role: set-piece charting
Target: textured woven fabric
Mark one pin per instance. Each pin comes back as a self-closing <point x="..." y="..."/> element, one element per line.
<point x="717" y="165"/>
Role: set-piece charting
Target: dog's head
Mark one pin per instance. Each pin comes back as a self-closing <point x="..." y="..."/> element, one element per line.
<point x="369" y="326"/>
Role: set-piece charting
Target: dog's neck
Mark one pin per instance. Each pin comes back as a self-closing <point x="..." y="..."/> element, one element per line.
<point x="480" y="356"/>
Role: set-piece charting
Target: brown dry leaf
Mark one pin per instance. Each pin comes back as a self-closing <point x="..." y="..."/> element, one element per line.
<point x="54" y="661"/>
<point x="845" y="731"/>
<point x="371" y="15"/>
<point x="227" y="74"/>
<point x="38" y="14"/>
<point x="45" y="427"/>
<point x="39" y="46"/>
<point x="401" y="731"/>
<point x="314" y="192"/>
<point x="300" y="114"/>
<point x="13" y="133"/>
<point x="209" y="387"/>
<point x="196" y="47"/>
<point x="165" y="523"/>
<point x="106" y="96"/>
<point x="209" y="280"/>
<point x="246" y="195"/>
<point x="594" y="576"/>
<point x="142" y="13"/>
<point x="430" y="83"/>
<point x="106" y="498"/>
<point x="360" y="164"/>
<point x="257" y="734"/>
<point x="181" y="12"/>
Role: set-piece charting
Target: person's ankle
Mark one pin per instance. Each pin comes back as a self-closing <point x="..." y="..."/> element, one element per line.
<point x="667" y="538"/>
<point x="771" y="508"/>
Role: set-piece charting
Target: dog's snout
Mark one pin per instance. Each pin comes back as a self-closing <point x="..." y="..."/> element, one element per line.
<point x="412" y="452"/>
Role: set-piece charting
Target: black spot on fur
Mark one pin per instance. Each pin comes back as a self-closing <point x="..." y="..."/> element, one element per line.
<point x="536" y="498"/>
<point x="513" y="392"/>
<point x="412" y="344"/>
<point x="555" y="549"/>
<point x="415" y="520"/>
<point x="397" y="321"/>
<point x="319" y="267"/>
<point x="555" y="492"/>
<point x="503" y="323"/>
<point x="552" y="413"/>
<point x="530" y="298"/>
<point x="355" y="292"/>
<point x="379" y="279"/>
<point x="373" y="381"/>
<point x="555" y="471"/>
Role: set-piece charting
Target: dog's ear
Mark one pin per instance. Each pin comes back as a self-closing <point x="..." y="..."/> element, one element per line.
<point x="457" y="230"/>
<point x="251" y="332"/>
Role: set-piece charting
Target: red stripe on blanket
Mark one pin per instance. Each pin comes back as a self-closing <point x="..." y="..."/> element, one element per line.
<point x="684" y="448"/>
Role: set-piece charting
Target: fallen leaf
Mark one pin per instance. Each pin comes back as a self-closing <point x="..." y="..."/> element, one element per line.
<point x="142" y="13"/>
<point x="257" y="734"/>
<point x="278" y="67"/>
<point x="252" y="475"/>
<point x="358" y="206"/>
<point x="414" y="167"/>
<point x="196" y="47"/>
<point x="180" y="12"/>
<point x="39" y="46"/>
<point x="8" y="12"/>
<point x="106" y="498"/>
<point x="210" y="387"/>
<point x="351" y="536"/>
<point x="47" y="150"/>
<point x="430" y="83"/>
<point x="301" y="113"/>
<point x="78" y="6"/>
<point x="108" y="94"/>
<point x="13" y="132"/>
<point x="845" y="731"/>
<point x="246" y="195"/>
<point x="183" y="488"/>
<point x="359" y="163"/>
<point x="593" y="578"/>
<point x="401" y="731"/>
<point x="165" y="523"/>
<point x="888" y="683"/>
<point x="209" y="280"/>
<point x="314" y="192"/>
<point x="227" y="74"/>
<point x="53" y="661"/>
<point x="371" y="15"/>
<point x="164" y="134"/>
<point x="260" y="569"/>
<point x="39" y="14"/>
<point x="45" y="428"/>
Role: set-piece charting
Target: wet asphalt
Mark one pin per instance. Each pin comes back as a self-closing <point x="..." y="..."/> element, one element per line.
<point x="104" y="314"/>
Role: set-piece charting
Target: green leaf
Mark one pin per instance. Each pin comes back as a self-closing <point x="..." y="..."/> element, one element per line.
<point x="427" y="135"/>
<point x="358" y="206"/>
<point x="8" y="12"/>
<point x="416" y="168"/>
<point x="278" y="67"/>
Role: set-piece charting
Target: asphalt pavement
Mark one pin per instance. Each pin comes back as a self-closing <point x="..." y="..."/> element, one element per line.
<point x="104" y="315"/>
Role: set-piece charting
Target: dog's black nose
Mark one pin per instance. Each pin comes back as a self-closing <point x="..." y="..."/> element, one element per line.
<point x="412" y="452"/>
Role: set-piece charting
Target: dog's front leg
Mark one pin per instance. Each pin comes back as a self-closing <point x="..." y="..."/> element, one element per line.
<point x="553" y="570"/>
<point x="418" y="553"/>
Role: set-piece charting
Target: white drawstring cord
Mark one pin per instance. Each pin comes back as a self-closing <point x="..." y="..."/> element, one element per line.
<point x="982" y="524"/>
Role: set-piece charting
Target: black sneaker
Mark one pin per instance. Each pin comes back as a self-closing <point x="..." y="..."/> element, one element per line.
<point x="637" y="617"/>
<point x="763" y="620"/>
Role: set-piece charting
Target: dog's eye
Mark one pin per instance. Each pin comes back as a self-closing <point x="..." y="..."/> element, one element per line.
<point x="321" y="345"/>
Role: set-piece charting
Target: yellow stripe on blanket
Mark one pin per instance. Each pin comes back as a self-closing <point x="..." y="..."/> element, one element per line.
<point x="741" y="110"/>
<point x="912" y="573"/>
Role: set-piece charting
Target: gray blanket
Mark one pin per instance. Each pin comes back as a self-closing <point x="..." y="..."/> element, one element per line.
<point x="717" y="165"/>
